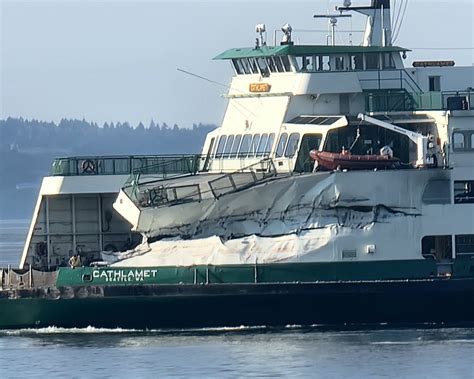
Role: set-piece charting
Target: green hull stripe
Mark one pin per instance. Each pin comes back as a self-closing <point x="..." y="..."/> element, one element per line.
<point x="267" y="273"/>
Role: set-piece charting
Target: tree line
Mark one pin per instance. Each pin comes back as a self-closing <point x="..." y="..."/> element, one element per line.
<point x="28" y="148"/>
<point x="79" y="137"/>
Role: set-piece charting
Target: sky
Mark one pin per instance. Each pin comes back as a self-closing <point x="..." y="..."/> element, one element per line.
<point x="109" y="61"/>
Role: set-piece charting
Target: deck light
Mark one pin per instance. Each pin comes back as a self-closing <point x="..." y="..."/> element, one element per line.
<point x="286" y="29"/>
<point x="260" y="29"/>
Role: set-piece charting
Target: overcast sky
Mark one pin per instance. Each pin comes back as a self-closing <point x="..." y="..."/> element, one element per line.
<point x="118" y="60"/>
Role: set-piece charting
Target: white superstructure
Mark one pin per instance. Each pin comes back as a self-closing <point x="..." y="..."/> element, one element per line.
<point x="258" y="197"/>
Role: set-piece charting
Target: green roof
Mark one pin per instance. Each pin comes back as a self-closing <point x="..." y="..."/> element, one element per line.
<point x="266" y="51"/>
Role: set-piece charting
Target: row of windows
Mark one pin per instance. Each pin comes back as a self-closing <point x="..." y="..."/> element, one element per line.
<point x="262" y="65"/>
<point x="246" y="146"/>
<point x="287" y="146"/>
<point x="440" y="247"/>
<point x="250" y="146"/>
<point x="369" y="61"/>
<point x="464" y="192"/>
<point x="463" y="140"/>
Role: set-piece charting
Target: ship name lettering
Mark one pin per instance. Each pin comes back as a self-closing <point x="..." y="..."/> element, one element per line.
<point x="137" y="275"/>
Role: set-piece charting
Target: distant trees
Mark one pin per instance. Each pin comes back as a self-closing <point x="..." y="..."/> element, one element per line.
<point x="79" y="137"/>
<point x="28" y="147"/>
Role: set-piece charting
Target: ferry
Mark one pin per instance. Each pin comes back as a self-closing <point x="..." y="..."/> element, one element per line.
<point x="338" y="190"/>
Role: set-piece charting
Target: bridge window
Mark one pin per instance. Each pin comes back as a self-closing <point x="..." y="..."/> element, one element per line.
<point x="305" y="63"/>
<point x="220" y="146"/>
<point x="262" y="144"/>
<point x="324" y="63"/>
<point x="292" y="145"/>
<point x="278" y="64"/>
<point x="228" y="146"/>
<point x="387" y="61"/>
<point x="245" y="146"/>
<point x="262" y="65"/>
<point x="253" y="66"/>
<point x="339" y="63"/>
<point x="357" y="62"/>
<point x="372" y="61"/>
<point x="245" y="65"/>
<point x="286" y="63"/>
<point x="271" y="64"/>
<point x="237" y="67"/>
<point x="464" y="192"/>
<point x="464" y="244"/>
<point x="235" y="146"/>
<point x="281" y="145"/>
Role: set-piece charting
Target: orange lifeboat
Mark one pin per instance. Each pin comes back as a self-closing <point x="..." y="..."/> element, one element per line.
<point x="348" y="161"/>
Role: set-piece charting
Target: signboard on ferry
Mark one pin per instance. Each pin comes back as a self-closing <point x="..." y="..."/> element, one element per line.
<point x="259" y="87"/>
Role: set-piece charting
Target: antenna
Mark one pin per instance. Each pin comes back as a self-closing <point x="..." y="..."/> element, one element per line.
<point x="332" y="22"/>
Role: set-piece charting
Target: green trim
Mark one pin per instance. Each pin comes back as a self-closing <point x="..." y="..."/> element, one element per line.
<point x="267" y="51"/>
<point x="267" y="273"/>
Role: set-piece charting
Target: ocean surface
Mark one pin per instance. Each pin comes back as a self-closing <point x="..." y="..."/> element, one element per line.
<point x="292" y="352"/>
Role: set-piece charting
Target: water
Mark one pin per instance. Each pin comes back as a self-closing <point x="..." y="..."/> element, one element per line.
<point x="293" y="351"/>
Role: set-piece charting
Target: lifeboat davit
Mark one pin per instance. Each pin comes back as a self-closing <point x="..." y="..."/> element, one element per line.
<point x="348" y="161"/>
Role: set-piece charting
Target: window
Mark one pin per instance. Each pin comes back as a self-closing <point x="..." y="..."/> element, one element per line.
<point x="235" y="146"/>
<point x="268" y="147"/>
<point x="281" y="145"/>
<point x="292" y="145"/>
<point x="228" y="146"/>
<point x="437" y="247"/>
<point x="262" y="65"/>
<point x="304" y="63"/>
<point x="271" y="64"/>
<point x="308" y="142"/>
<point x="253" y="66"/>
<point x="458" y="141"/>
<point x="464" y="244"/>
<point x="463" y="140"/>
<point x="286" y="63"/>
<point x="220" y="146"/>
<point x="357" y="62"/>
<point x="339" y="63"/>
<point x="261" y="145"/>
<point x="434" y="83"/>
<point x="387" y="61"/>
<point x="464" y="192"/>
<point x="254" y="145"/>
<point x="372" y="61"/>
<point x="237" y="68"/>
<point x="278" y="64"/>
<point x="245" y="146"/>
<point x="323" y="63"/>
<point x="245" y="65"/>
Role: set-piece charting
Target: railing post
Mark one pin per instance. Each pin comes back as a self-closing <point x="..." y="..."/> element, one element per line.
<point x="30" y="278"/>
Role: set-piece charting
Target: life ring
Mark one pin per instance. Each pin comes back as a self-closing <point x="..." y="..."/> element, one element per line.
<point x="88" y="167"/>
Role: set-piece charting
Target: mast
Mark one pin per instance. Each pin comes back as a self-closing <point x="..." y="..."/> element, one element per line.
<point x="378" y="30"/>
